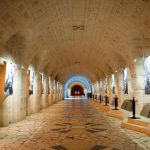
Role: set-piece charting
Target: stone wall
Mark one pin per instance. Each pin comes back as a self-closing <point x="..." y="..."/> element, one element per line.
<point x="17" y="106"/>
<point x="136" y="85"/>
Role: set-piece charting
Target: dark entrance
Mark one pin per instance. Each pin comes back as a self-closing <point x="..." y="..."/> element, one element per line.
<point x="77" y="90"/>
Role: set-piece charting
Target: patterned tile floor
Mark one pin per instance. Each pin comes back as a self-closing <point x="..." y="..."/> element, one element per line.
<point x="71" y="125"/>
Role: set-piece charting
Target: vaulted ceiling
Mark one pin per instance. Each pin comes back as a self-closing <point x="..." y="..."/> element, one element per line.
<point x="66" y="37"/>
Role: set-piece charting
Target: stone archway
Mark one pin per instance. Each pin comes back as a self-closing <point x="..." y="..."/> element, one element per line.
<point x="85" y="87"/>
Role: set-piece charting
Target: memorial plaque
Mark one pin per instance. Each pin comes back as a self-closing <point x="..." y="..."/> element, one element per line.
<point x="127" y="105"/>
<point x="146" y="110"/>
<point x="123" y="106"/>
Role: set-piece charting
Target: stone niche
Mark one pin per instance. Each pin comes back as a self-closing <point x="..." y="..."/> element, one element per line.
<point x="127" y="105"/>
<point x="146" y="110"/>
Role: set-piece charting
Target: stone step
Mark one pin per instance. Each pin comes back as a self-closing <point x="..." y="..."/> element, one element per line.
<point x="104" y="108"/>
<point x="116" y="114"/>
<point x="135" y="127"/>
<point x="138" y="122"/>
<point x="101" y="106"/>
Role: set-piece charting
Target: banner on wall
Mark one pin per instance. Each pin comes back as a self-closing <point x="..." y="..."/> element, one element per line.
<point x="31" y="73"/>
<point x="9" y="77"/>
<point x="113" y="84"/>
<point x="147" y="75"/>
<point x="125" y="81"/>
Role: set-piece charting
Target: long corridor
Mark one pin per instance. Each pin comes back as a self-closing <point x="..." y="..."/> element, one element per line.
<point x="71" y="125"/>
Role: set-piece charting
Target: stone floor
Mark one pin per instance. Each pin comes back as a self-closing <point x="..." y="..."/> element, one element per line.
<point x="71" y="125"/>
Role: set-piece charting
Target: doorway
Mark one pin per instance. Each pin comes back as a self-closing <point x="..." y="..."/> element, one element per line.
<point x="77" y="90"/>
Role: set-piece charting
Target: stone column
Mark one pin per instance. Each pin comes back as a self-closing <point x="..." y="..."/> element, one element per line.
<point x="56" y="91"/>
<point x="97" y="90"/>
<point x="33" y="101"/>
<point x="59" y="92"/>
<point x="53" y="92"/>
<point x="49" y="91"/>
<point x="119" y="86"/>
<point x="46" y="90"/>
<point x="62" y="92"/>
<point x="100" y="84"/>
<point x="130" y="89"/>
<point x="92" y="90"/>
<point x="103" y="90"/>
<point x="110" y="95"/>
<point x="4" y="120"/>
<point x="44" y="96"/>
<point x="19" y="94"/>
<point x="50" y="94"/>
<point x="138" y="84"/>
<point x="37" y="91"/>
<point x="116" y="83"/>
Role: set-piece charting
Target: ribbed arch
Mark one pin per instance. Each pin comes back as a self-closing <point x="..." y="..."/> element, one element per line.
<point x="80" y="79"/>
